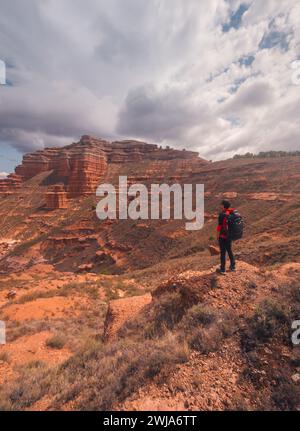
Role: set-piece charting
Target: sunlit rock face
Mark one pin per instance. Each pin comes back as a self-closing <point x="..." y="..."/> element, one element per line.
<point x="56" y="198"/>
<point x="80" y="166"/>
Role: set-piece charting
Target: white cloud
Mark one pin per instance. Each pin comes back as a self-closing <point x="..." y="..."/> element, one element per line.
<point x="3" y="175"/>
<point x="147" y="70"/>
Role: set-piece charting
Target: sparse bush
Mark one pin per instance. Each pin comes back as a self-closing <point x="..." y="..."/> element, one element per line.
<point x="16" y="330"/>
<point x="267" y="154"/>
<point x="205" y="340"/>
<point x="205" y="330"/>
<point x="198" y="315"/>
<point x="286" y="396"/>
<point x="35" y="364"/>
<point x="270" y="319"/>
<point x="93" y="292"/>
<point x="267" y="320"/>
<point x="165" y="314"/>
<point x="35" y="295"/>
<point x="33" y="383"/>
<point x="251" y="285"/>
<point x="56" y="342"/>
<point x="83" y="287"/>
<point x="228" y="327"/>
<point x="101" y="375"/>
<point x="111" y="293"/>
<point x="214" y="281"/>
<point x="160" y="358"/>
<point x="70" y="288"/>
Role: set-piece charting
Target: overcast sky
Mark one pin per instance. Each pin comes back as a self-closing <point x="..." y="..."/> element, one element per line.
<point x="212" y="75"/>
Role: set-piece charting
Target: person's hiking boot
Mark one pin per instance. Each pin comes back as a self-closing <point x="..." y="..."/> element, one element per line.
<point x="232" y="269"/>
<point x="220" y="271"/>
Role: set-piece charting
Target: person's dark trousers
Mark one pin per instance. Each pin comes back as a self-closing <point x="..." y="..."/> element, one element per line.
<point x="225" y="246"/>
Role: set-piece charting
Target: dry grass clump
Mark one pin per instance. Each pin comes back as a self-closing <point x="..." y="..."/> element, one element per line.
<point x="270" y="319"/>
<point x="204" y="329"/>
<point x="286" y="396"/>
<point x="28" y="389"/>
<point x="58" y="341"/>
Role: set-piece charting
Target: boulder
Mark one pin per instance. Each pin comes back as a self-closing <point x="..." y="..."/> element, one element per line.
<point x="11" y="294"/>
<point x="214" y="251"/>
<point x="85" y="267"/>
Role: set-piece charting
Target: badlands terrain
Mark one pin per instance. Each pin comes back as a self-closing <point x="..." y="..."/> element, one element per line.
<point x="130" y="315"/>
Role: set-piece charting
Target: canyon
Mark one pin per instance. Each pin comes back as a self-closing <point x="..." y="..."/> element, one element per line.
<point x="79" y="167"/>
<point x="78" y="293"/>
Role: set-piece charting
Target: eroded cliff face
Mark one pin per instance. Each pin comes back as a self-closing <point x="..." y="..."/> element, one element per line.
<point x="79" y="168"/>
<point x="10" y="184"/>
<point x="56" y="197"/>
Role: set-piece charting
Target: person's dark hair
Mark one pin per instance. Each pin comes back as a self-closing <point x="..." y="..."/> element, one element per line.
<point x="226" y="204"/>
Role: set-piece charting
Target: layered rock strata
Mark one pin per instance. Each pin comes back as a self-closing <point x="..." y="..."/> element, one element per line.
<point x="81" y="166"/>
<point x="56" y="198"/>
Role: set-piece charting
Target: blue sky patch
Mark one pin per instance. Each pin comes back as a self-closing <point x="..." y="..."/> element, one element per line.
<point x="236" y="85"/>
<point x="9" y="157"/>
<point x="247" y="60"/>
<point x="235" y="18"/>
<point x="273" y="39"/>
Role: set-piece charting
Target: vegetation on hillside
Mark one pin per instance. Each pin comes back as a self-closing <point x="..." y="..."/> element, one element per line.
<point x="267" y="154"/>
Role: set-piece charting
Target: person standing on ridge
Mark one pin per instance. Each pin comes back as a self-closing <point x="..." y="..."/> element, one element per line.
<point x="230" y="222"/>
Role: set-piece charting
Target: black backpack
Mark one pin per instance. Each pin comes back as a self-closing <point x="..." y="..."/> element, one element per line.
<point x="235" y="225"/>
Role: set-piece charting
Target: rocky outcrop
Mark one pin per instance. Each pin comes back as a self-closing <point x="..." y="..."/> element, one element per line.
<point x="190" y="285"/>
<point x="228" y="195"/>
<point x="214" y="251"/>
<point x="10" y="184"/>
<point x="56" y="198"/>
<point x="80" y="166"/>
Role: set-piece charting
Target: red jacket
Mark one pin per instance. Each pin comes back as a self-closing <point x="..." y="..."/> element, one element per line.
<point x="223" y="223"/>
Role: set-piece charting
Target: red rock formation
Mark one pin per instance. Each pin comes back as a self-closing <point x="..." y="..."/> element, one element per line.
<point x="82" y="165"/>
<point x="10" y="184"/>
<point x="56" y="198"/>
